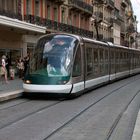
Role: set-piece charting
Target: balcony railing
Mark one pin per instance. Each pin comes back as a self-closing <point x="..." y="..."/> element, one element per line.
<point x="123" y="28"/>
<point x="59" y="1"/>
<point x="110" y="39"/>
<point x="57" y="26"/>
<point x="124" y="4"/>
<point x="112" y="20"/>
<point x="11" y="14"/>
<point x="82" y="6"/>
<point x="110" y="3"/>
<point x="49" y="24"/>
<point x="98" y="2"/>
<point x="98" y="14"/>
<point x="130" y="29"/>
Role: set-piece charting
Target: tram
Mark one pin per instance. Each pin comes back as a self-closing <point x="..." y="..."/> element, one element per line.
<point x="69" y="64"/>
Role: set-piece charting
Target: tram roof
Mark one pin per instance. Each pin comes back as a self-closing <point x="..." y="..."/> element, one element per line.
<point x="85" y="39"/>
<point x="95" y="41"/>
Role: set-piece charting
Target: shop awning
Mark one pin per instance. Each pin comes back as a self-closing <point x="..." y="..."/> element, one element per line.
<point x="21" y="25"/>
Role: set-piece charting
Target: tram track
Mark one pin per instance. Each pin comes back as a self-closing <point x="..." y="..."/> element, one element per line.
<point x="119" y="117"/>
<point x="11" y="106"/>
<point x="76" y="116"/>
<point x="91" y="105"/>
<point x="31" y="113"/>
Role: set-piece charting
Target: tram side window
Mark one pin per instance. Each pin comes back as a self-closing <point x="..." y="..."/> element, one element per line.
<point x="106" y="61"/>
<point x="112" y="56"/>
<point x="89" y="60"/>
<point x="77" y="64"/>
<point x="101" y="62"/>
<point x="96" y="61"/>
<point x="117" y="60"/>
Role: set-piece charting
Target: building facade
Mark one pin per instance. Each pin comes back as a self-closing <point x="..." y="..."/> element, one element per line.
<point x="23" y="21"/>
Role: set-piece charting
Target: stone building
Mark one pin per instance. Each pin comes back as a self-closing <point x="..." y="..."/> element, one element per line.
<point x="115" y="21"/>
<point x="23" y="21"/>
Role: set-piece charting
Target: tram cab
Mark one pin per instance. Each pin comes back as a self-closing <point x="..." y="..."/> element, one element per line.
<point x="53" y="66"/>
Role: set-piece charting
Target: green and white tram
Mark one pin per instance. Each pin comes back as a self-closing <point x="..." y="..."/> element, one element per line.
<point x="70" y="65"/>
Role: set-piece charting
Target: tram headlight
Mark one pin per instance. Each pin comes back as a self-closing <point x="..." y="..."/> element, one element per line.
<point x="62" y="82"/>
<point x="27" y="81"/>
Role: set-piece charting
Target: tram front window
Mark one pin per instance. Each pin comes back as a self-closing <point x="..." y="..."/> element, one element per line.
<point x="53" y="57"/>
<point x="58" y="56"/>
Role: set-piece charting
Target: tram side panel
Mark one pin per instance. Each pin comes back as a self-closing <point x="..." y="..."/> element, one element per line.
<point x="135" y="62"/>
<point x="122" y="68"/>
<point x="78" y="71"/>
<point x="112" y="63"/>
<point x="96" y="65"/>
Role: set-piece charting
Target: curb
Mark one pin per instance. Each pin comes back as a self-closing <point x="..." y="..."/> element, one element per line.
<point x="136" y="133"/>
<point x="10" y="95"/>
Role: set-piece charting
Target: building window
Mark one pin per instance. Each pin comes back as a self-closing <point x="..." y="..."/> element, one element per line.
<point x="37" y="7"/>
<point x="10" y="6"/>
<point x="1" y="4"/>
<point x="77" y="67"/>
<point x="63" y="15"/>
<point x="55" y="14"/>
<point x="7" y="5"/>
<point x="74" y="20"/>
<point x="89" y="60"/>
<point x="48" y="12"/>
<point x="70" y="19"/>
<point x="28" y="7"/>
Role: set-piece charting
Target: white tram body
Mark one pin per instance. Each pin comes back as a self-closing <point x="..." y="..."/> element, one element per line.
<point x="70" y="65"/>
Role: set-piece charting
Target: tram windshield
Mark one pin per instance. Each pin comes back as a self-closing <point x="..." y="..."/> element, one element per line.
<point x="53" y="56"/>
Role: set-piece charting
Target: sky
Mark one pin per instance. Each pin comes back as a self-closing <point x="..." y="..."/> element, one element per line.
<point x="136" y="9"/>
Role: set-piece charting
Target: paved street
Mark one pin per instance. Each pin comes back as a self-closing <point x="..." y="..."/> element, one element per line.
<point x="109" y="112"/>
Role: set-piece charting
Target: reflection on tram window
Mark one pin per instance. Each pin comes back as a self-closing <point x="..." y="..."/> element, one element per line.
<point x="53" y="55"/>
<point x="77" y="68"/>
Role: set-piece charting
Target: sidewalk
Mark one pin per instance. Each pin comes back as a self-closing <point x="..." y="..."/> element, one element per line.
<point x="14" y="89"/>
<point x="11" y="90"/>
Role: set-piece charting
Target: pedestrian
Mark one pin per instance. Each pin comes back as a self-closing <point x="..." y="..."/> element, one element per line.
<point x="20" y="66"/>
<point x="12" y="73"/>
<point x="8" y="64"/>
<point x="26" y="64"/>
<point x="3" y="68"/>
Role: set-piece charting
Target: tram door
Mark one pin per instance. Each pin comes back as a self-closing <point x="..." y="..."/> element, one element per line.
<point x="78" y="70"/>
<point x="90" y="66"/>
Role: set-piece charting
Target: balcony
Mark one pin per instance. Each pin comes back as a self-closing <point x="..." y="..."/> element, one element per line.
<point x="101" y="36"/>
<point x="124" y="4"/>
<point x="98" y="14"/>
<point x="81" y="6"/>
<point x="59" y="1"/>
<point x="118" y="22"/>
<point x="123" y="28"/>
<point x="112" y="20"/>
<point x="110" y="39"/>
<point x="11" y="22"/>
<point x="56" y="26"/>
<point x="11" y="14"/>
<point x="94" y="2"/>
<point x="110" y="4"/>
<point x="130" y="29"/>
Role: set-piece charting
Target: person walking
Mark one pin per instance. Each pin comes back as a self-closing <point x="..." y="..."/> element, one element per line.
<point x="3" y="68"/>
<point x="20" y="66"/>
<point x="26" y="64"/>
<point x="8" y="64"/>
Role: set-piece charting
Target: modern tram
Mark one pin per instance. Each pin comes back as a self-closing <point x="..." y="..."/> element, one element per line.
<point x="69" y="64"/>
